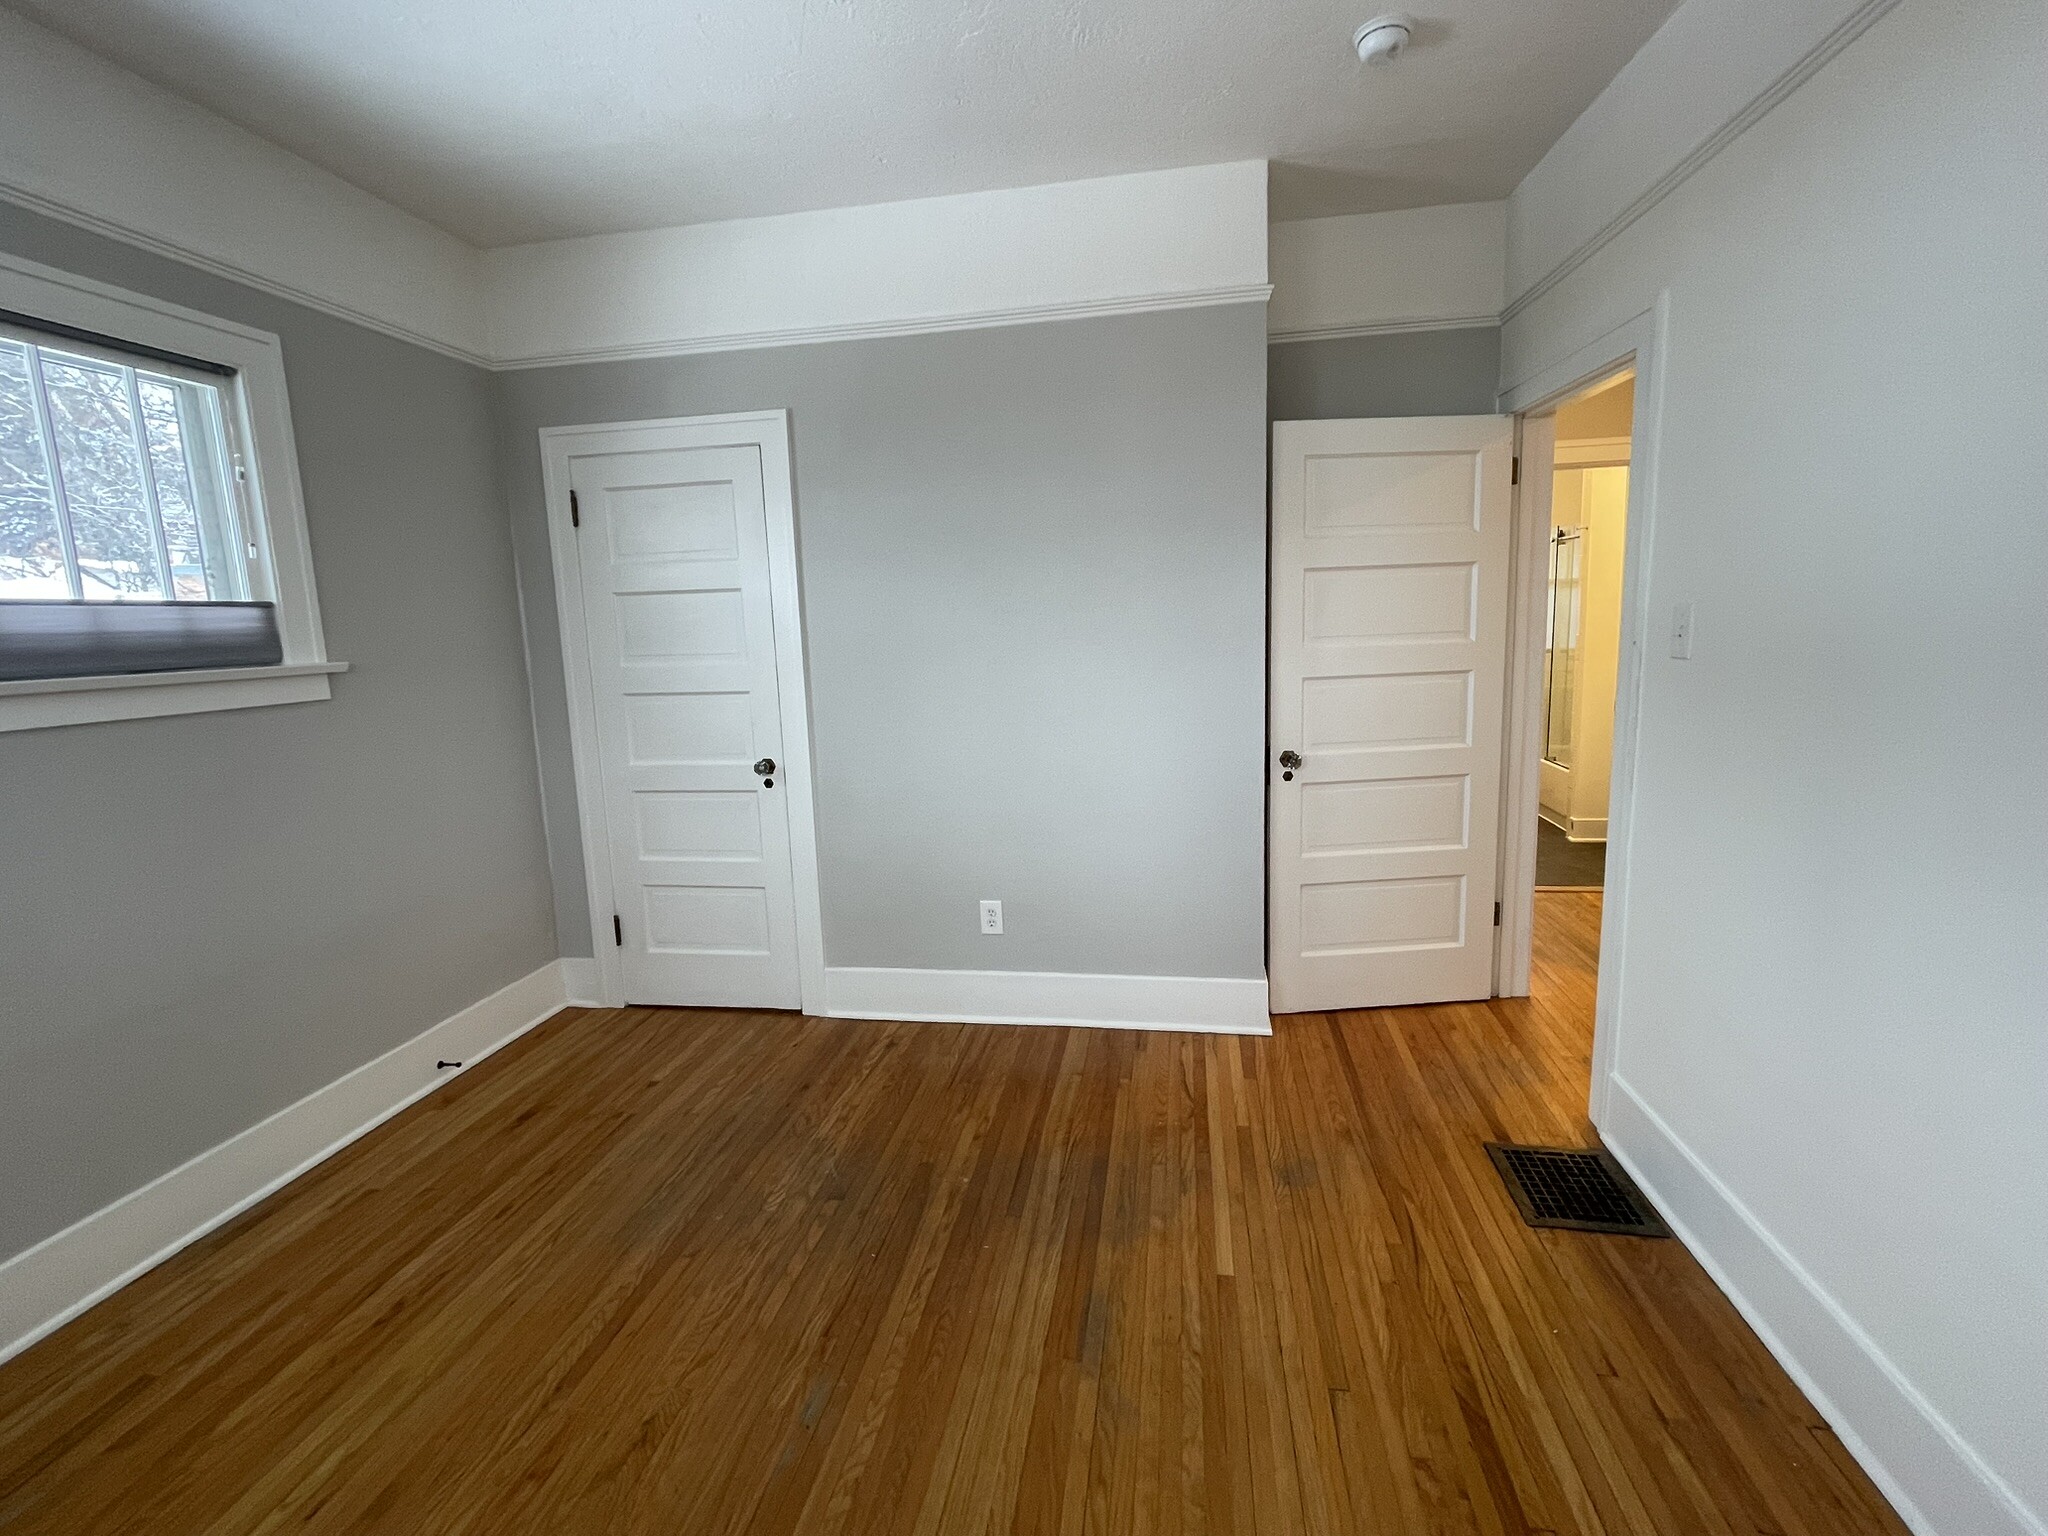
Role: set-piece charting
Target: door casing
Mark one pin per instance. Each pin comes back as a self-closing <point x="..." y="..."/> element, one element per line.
<point x="769" y="433"/>
<point x="1638" y="341"/>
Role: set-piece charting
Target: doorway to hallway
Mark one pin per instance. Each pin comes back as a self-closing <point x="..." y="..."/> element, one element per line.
<point x="1588" y="532"/>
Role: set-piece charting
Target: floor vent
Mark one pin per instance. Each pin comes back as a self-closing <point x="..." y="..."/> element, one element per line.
<point x="1584" y="1189"/>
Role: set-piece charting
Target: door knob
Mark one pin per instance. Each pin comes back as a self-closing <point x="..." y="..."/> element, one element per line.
<point x="1290" y="759"/>
<point x="765" y="767"/>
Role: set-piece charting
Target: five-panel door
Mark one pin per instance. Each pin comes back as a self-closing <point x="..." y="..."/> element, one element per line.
<point x="673" y="547"/>
<point x="1389" y="600"/>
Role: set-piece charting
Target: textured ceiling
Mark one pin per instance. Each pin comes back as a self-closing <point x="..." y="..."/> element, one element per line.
<point x="505" y="121"/>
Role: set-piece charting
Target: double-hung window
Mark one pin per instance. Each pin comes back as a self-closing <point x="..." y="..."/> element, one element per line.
<point x="153" y="553"/>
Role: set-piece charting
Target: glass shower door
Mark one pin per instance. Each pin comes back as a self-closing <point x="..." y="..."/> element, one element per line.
<point x="1563" y="642"/>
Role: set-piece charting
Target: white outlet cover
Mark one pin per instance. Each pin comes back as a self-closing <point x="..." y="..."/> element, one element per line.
<point x="991" y="917"/>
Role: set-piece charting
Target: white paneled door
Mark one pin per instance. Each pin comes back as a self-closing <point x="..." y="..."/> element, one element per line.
<point x="677" y="612"/>
<point x="1389" y="614"/>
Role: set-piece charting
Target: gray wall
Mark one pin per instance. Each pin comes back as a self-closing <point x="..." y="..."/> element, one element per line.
<point x="1414" y="373"/>
<point x="204" y="918"/>
<point x="1034" y="586"/>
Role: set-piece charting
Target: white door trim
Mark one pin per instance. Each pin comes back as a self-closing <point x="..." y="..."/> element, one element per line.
<point x="769" y="432"/>
<point x="1522" y="712"/>
<point x="1642" y="340"/>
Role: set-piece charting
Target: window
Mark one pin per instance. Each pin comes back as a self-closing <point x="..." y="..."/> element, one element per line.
<point x="116" y="477"/>
<point x="153" y="556"/>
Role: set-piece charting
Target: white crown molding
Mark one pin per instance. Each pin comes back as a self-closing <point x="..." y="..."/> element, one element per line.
<point x="1023" y="314"/>
<point x="97" y="147"/>
<point x="44" y="1287"/>
<point x="1387" y="328"/>
<point x="1935" y="1478"/>
<point x="1112" y="245"/>
<point x="89" y="143"/>
<point x="1226" y="1005"/>
<point x="684" y="346"/>
<point x="1572" y="178"/>
<point x="70" y="213"/>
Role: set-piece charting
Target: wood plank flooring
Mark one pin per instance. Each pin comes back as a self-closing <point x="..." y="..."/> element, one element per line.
<point x="694" y="1272"/>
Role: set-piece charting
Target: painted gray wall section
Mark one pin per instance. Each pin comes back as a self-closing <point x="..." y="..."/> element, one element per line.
<point x="1406" y="373"/>
<point x="206" y="917"/>
<point x="1034" y="583"/>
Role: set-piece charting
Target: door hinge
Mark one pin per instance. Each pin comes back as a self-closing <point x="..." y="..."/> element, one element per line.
<point x="619" y="929"/>
<point x="1496" y="914"/>
<point x="1514" y="472"/>
<point x="575" y="512"/>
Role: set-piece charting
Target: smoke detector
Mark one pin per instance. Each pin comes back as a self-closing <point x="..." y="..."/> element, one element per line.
<point x="1381" y="40"/>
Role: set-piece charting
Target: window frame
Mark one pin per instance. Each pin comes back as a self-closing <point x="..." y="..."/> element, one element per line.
<point x="256" y="413"/>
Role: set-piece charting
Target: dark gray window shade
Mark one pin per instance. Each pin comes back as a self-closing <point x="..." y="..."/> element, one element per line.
<point x="70" y="638"/>
<point x="114" y="343"/>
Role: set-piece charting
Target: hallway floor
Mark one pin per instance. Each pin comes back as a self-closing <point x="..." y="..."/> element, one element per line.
<point x="693" y="1272"/>
<point x="1561" y="863"/>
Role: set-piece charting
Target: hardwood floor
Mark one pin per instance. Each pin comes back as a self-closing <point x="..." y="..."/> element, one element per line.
<point x="655" y="1271"/>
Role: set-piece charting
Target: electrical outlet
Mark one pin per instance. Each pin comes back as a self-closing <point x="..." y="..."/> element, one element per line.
<point x="991" y="917"/>
<point x="1681" y="632"/>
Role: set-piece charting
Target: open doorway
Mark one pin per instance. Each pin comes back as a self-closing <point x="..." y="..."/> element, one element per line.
<point x="1581" y="603"/>
<point x="1585" y="435"/>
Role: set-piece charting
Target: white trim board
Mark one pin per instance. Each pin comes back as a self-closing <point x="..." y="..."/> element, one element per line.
<point x="1386" y="328"/>
<point x="582" y="982"/>
<point x="37" y="703"/>
<point x="44" y="1287"/>
<point x="1228" y="1005"/>
<point x="769" y="432"/>
<point x="1933" y="1477"/>
<point x="1713" y="69"/>
<point x="874" y="330"/>
<point x="1593" y="453"/>
<point x="1521" y="798"/>
<point x="1108" y="245"/>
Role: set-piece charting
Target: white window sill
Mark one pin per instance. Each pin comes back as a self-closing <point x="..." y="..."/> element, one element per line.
<point x="34" y="703"/>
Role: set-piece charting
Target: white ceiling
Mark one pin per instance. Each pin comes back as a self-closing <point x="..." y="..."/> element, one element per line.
<point x="506" y="121"/>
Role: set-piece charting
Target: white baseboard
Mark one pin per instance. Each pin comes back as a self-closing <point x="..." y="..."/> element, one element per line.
<point x="1936" y="1480"/>
<point x="44" y="1287"/>
<point x="581" y="979"/>
<point x="1587" y="829"/>
<point x="1226" y="1005"/>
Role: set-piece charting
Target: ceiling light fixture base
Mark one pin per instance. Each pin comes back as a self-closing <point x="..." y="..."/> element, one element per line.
<point x="1383" y="39"/>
